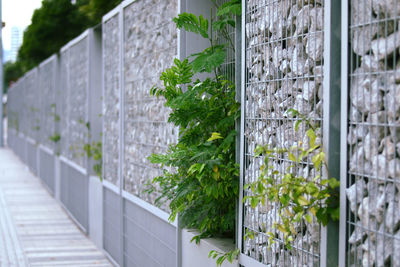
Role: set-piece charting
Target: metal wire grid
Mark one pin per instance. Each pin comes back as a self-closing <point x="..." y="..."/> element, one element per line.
<point x="33" y="105"/>
<point x="13" y="114"/>
<point x="228" y="67"/>
<point x="48" y="103"/>
<point x="284" y="44"/>
<point x="148" y="50"/>
<point x="373" y="218"/>
<point x="77" y="101"/>
<point x="63" y="97"/>
<point x="111" y="100"/>
<point x="23" y="102"/>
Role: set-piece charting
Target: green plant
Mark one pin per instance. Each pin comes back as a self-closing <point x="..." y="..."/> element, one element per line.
<point x="95" y="151"/>
<point x="230" y="256"/>
<point x="296" y="196"/>
<point x="53" y="113"/>
<point x="55" y="138"/>
<point x="201" y="181"/>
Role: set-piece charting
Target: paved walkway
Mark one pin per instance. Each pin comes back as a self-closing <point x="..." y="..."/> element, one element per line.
<point x="34" y="229"/>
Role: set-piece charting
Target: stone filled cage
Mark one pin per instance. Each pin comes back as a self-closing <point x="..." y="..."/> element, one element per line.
<point x="145" y="127"/>
<point x="73" y="94"/>
<point x="373" y="136"/>
<point x="283" y="46"/>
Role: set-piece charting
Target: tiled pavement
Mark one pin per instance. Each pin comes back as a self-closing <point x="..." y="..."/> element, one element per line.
<point x="34" y="229"/>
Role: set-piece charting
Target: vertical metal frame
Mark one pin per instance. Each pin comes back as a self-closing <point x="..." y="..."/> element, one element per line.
<point x="343" y="131"/>
<point x="242" y="115"/>
<point x="331" y="119"/>
<point x="331" y="123"/>
<point x="121" y="129"/>
<point x="116" y="12"/>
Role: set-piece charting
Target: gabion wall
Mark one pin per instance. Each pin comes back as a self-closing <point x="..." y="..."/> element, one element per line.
<point x="48" y="102"/>
<point x="33" y="102"/>
<point x="77" y="101"/>
<point x="150" y="45"/>
<point x="373" y="220"/>
<point x="14" y="109"/>
<point x="63" y="102"/>
<point x="284" y="47"/>
<point x="111" y="103"/>
<point x="73" y="101"/>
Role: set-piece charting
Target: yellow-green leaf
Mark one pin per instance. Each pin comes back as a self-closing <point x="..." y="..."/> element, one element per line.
<point x="308" y="218"/>
<point x="292" y="157"/>
<point x="214" y="136"/>
<point x="303" y="201"/>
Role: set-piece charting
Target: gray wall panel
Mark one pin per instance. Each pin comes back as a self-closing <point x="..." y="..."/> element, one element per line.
<point x="112" y="224"/>
<point x="151" y="234"/>
<point x="31" y="154"/>
<point x="74" y="193"/>
<point x="47" y="168"/>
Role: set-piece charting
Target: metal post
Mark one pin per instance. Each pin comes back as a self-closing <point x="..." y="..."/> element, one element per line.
<point x="1" y="80"/>
<point x="242" y="113"/>
<point x="121" y="131"/>
<point x="331" y="119"/>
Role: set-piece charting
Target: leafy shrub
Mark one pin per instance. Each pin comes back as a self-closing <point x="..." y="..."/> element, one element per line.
<point x="201" y="177"/>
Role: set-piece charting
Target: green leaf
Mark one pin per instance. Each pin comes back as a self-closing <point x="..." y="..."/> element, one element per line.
<point x="308" y="218"/>
<point x="233" y="7"/>
<point x="209" y="59"/>
<point x="312" y="136"/>
<point x="191" y="23"/>
<point x="292" y="157"/>
<point x="214" y="136"/>
<point x="303" y="201"/>
<point x="254" y="202"/>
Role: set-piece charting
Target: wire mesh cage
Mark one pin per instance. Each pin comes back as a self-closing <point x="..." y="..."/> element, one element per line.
<point x="227" y="38"/>
<point x="33" y="104"/>
<point x="48" y="102"/>
<point x="283" y="72"/>
<point x="150" y="45"/>
<point x="78" y="103"/>
<point x="373" y="217"/>
<point x="111" y="103"/>
<point x="14" y="111"/>
<point x="63" y="102"/>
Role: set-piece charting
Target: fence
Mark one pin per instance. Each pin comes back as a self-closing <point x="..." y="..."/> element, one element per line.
<point x="284" y="48"/>
<point x="372" y="224"/>
<point x="336" y="63"/>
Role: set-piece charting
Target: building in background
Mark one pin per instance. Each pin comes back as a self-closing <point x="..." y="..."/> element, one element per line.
<point x="16" y="41"/>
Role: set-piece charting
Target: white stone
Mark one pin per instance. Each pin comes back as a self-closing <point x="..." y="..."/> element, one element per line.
<point x="363" y="96"/>
<point x="392" y="103"/>
<point x="387" y="8"/>
<point x="362" y="36"/>
<point x="357" y="236"/>
<point x="356" y="193"/>
<point x="370" y="63"/>
<point x="298" y="63"/>
<point x="383" y="47"/>
<point x="392" y="214"/>
<point x="388" y="148"/>
<point x="303" y="19"/>
<point x="379" y="166"/>
<point x="308" y="90"/>
<point x="315" y="46"/>
<point x="371" y="145"/>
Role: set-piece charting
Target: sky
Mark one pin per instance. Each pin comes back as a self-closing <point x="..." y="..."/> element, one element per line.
<point x="16" y="13"/>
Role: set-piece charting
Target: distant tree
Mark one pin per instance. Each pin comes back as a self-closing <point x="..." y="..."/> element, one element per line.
<point x="96" y="9"/>
<point x="54" y="24"/>
<point x="12" y="71"/>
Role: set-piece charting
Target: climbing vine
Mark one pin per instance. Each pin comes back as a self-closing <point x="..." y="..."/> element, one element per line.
<point x="297" y="197"/>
